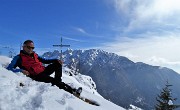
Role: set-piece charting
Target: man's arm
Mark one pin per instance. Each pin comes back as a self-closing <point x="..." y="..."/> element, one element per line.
<point x="12" y="66"/>
<point x="46" y="61"/>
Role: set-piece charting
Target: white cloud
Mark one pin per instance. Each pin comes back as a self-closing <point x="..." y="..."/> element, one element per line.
<point x="148" y="8"/>
<point x="87" y="34"/>
<point x="148" y="14"/>
<point x="161" y="51"/>
<point x="80" y="30"/>
<point x="152" y="34"/>
<point x="72" y="39"/>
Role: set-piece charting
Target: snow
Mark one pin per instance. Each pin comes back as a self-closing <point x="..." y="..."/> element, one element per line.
<point x="132" y="107"/>
<point x="42" y="96"/>
<point x="170" y="102"/>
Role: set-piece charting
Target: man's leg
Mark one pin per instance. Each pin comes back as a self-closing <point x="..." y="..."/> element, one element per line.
<point x="42" y="77"/>
<point x="66" y="87"/>
<point x="55" y="67"/>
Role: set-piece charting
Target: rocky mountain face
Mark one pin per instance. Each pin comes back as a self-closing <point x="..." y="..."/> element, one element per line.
<point x="119" y="79"/>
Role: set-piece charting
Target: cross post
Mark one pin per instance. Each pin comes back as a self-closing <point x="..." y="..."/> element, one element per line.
<point x="61" y="46"/>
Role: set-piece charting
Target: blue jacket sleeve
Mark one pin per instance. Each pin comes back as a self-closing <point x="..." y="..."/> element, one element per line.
<point x="12" y="66"/>
<point x="46" y="61"/>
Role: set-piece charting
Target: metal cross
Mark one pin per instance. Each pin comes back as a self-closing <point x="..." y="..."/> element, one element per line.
<point x="61" y="45"/>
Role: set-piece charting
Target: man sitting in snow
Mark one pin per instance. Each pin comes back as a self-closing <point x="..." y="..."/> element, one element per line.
<point x="30" y="64"/>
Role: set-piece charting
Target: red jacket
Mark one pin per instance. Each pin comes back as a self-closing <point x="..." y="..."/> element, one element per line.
<point x="32" y="64"/>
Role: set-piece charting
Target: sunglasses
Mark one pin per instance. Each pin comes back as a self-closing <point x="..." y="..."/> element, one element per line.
<point x="29" y="47"/>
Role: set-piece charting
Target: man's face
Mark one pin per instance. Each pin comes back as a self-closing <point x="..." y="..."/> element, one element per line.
<point x="28" y="48"/>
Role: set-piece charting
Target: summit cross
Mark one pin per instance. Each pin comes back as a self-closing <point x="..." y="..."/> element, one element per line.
<point x="61" y="46"/>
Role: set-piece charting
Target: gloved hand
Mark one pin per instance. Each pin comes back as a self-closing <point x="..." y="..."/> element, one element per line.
<point x="25" y="72"/>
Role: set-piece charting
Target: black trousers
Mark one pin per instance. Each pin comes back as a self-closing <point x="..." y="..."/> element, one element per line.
<point x="45" y="77"/>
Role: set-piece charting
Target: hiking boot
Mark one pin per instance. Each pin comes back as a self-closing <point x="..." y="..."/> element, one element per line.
<point x="77" y="92"/>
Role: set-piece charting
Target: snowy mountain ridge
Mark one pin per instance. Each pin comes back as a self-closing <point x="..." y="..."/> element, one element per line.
<point x="87" y="56"/>
<point x="34" y="95"/>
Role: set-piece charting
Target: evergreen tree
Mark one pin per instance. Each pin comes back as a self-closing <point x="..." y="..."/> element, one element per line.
<point x="165" y="99"/>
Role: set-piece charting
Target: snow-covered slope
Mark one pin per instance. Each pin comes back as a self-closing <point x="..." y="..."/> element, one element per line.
<point x="42" y="96"/>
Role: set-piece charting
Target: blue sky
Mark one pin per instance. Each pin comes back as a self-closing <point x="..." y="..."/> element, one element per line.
<point x="85" y="23"/>
<point x="142" y="30"/>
